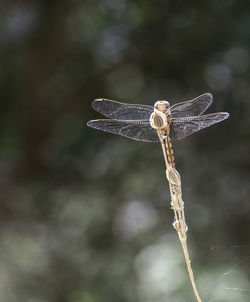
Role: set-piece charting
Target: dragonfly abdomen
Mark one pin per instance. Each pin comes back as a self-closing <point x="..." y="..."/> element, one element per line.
<point x="170" y="152"/>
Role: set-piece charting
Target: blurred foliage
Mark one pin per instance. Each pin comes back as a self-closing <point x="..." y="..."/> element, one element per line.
<point x="85" y="216"/>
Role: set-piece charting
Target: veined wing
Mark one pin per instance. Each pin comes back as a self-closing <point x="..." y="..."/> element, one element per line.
<point x="193" y="107"/>
<point x="138" y="130"/>
<point x="122" y="111"/>
<point x="182" y="127"/>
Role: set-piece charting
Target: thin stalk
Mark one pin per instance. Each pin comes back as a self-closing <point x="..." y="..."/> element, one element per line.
<point x="190" y="271"/>
<point x="177" y="204"/>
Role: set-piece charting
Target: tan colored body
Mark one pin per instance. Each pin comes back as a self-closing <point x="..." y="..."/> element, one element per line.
<point x="169" y="147"/>
<point x="161" y="120"/>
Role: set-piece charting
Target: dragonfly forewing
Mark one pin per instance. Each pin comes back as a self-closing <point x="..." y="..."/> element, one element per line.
<point x="182" y="127"/>
<point x="138" y="130"/>
<point x="122" y="111"/>
<point x="193" y="107"/>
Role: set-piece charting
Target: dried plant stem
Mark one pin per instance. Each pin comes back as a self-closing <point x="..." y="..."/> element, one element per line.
<point x="190" y="271"/>
<point x="177" y="205"/>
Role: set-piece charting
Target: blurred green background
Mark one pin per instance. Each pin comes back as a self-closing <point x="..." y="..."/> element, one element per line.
<point x="85" y="215"/>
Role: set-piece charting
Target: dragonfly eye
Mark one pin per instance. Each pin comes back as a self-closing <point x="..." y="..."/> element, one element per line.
<point x="162" y="105"/>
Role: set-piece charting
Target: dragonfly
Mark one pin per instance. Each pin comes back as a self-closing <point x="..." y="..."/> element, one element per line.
<point x="158" y="123"/>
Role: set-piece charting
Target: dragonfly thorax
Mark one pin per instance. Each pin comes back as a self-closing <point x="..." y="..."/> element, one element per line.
<point x="158" y="120"/>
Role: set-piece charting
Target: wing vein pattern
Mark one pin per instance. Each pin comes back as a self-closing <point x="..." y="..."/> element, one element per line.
<point x="122" y="111"/>
<point x="192" y="108"/>
<point x="139" y="130"/>
<point x="182" y="127"/>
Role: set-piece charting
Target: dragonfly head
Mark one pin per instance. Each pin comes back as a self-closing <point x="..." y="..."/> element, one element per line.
<point x="162" y="106"/>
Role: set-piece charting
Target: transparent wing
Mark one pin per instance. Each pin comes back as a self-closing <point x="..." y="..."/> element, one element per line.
<point x="185" y="126"/>
<point x="121" y="111"/>
<point x="137" y="130"/>
<point x="191" y="108"/>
